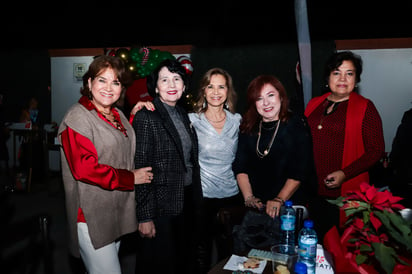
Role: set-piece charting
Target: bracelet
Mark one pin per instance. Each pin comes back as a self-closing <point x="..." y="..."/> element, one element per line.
<point x="248" y="199"/>
<point x="278" y="199"/>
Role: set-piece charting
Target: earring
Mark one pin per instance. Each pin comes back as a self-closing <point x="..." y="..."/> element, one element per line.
<point x="226" y="105"/>
<point x="204" y="104"/>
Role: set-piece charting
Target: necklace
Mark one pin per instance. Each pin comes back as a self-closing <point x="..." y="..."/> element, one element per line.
<point x="331" y="107"/>
<point x="216" y="122"/>
<point x="266" y="152"/>
<point x="104" y="113"/>
<point x="114" y="122"/>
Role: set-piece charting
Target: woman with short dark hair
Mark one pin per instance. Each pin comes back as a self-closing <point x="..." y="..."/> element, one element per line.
<point x="167" y="210"/>
<point x="347" y="137"/>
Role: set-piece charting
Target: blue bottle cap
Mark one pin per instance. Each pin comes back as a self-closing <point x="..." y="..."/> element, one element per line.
<point x="308" y="223"/>
<point x="288" y="203"/>
<point x="301" y="267"/>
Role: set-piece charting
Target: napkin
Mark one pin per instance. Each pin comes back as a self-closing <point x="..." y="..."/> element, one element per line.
<point x="236" y="263"/>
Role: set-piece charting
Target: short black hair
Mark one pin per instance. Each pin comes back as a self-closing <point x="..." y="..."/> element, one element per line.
<point x="336" y="59"/>
<point x="173" y="66"/>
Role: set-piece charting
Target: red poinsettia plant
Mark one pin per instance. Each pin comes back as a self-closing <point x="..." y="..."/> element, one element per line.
<point x="375" y="237"/>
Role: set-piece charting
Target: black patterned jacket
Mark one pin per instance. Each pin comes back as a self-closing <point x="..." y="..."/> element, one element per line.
<point x="158" y="145"/>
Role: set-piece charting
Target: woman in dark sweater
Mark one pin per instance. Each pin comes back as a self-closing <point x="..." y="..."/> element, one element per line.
<point x="274" y="158"/>
<point x="347" y="137"/>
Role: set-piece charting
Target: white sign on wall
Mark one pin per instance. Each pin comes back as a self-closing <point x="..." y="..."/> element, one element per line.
<point x="79" y="69"/>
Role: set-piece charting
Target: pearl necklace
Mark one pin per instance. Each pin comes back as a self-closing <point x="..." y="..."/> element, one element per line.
<point x="266" y="151"/>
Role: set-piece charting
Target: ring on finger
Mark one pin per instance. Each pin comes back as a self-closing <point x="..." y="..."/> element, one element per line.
<point x="275" y="208"/>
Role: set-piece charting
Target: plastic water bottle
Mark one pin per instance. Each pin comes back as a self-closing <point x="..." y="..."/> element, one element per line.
<point x="300" y="268"/>
<point x="287" y="227"/>
<point x="307" y="242"/>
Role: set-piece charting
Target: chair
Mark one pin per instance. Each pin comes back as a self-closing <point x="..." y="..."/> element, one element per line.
<point x="302" y="214"/>
<point x="305" y="212"/>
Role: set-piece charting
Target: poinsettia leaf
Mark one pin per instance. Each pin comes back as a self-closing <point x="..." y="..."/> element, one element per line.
<point x="381" y="197"/>
<point x="347" y="233"/>
<point x="402" y="261"/>
<point x="360" y="259"/>
<point x="349" y="220"/>
<point x="364" y="186"/>
<point x="404" y="229"/>
<point x="386" y="256"/>
<point x="396" y="228"/>
<point x="398" y="206"/>
<point x="383" y="217"/>
<point x="338" y="201"/>
<point x="351" y="211"/>
<point x="351" y="196"/>
<point x="364" y="205"/>
<point x="399" y="222"/>
<point x="395" y="199"/>
<point x="371" y="193"/>
<point x="358" y="223"/>
<point x="365" y="215"/>
<point x="365" y="248"/>
<point x="375" y="221"/>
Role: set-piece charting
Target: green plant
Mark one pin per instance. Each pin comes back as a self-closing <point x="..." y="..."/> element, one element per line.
<point x="375" y="231"/>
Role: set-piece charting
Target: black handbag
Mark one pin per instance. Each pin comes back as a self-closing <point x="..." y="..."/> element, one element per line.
<point x="257" y="230"/>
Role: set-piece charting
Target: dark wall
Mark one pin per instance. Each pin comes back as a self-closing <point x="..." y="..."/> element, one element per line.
<point x="246" y="62"/>
<point x="321" y="50"/>
<point x="26" y="73"/>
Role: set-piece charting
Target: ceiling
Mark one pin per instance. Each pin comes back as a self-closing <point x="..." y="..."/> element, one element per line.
<point x="220" y="23"/>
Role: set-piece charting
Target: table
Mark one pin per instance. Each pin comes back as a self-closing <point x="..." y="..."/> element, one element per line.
<point x="27" y="134"/>
<point x="38" y="142"/>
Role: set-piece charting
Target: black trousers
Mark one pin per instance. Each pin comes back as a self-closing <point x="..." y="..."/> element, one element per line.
<point x="212" y="230"/>
<point x="173" y="250"/>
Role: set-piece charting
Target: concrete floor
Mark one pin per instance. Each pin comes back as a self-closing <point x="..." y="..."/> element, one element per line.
<point x="22" y="211"/>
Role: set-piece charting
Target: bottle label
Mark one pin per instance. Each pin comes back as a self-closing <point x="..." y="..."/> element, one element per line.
<point x="287" y="222"/>
<point x="308" y="248"/>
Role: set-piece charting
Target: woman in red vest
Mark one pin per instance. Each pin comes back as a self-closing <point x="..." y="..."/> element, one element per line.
<point x="347" y="137"/>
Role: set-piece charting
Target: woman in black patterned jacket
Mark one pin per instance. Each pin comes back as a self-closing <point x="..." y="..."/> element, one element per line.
<point x="167" y="210"/>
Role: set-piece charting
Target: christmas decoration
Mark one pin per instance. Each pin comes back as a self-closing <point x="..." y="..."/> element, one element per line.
<point x="142" y="61"/>
<point x="186" y="63"/>
<point x="376" y="238"/>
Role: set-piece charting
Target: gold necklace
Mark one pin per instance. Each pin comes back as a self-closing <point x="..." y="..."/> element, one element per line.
<point x="321" y="121"/>
<point x="328" y="110"/>
<point x="266" y="152"/>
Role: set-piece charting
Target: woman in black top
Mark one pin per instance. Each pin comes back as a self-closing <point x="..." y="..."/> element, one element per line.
<point x="274" y="157"/>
